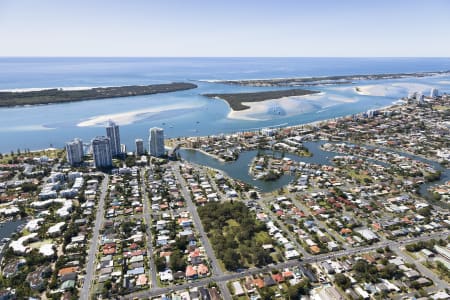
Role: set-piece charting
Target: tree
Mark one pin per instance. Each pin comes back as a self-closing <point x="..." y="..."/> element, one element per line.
<point x="160" y="263"/>
<point x="29" y="187"/>
<point x="342" y="281"/>
<point x="267" y="293"/>
<point x="301" y="288"/>
<point x="365" y="270"/>
<point x="177" y="261"/>
<point x="292" y="292"/>
<point x="231" y="259"/>
<point x="262" y="258"/>
<point x="181" y="243"/>
<point x="391" y="271"/>
<point x="130" y="161"/>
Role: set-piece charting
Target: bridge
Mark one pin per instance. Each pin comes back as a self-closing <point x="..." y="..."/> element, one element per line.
<point x="173" y="152"/>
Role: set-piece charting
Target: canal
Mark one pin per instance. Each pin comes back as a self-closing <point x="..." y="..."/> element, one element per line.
<point x="239" y="169"/>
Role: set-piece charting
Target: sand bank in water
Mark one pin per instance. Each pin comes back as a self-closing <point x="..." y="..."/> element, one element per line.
<point x="130" y="117"/>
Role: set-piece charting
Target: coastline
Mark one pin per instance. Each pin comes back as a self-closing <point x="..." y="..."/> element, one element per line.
<point x="313" y="123"/>
<point x="284" y="107"/>
<point x="50" y="96"/>
<point x="318" y="122"/>
<point x="240" y="101"/>
<point x="319" y="80"/>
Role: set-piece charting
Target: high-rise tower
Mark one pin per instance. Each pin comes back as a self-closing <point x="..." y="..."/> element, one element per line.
<point x="74" y="151"/>
<point x="112" y="131"/>
<point x="139" y="146"/>
<point x="156" y="141"/>
<point x="101" y="150"/>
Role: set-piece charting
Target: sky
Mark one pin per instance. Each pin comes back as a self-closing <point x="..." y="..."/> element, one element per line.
<point x="213" y="28"/>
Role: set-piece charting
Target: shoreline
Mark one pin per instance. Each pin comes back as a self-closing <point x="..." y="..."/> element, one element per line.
<point x="422" y="73"/>
<point x="240" y="101"/>
<point x="313" y="123"/>
<point x="205" y="153"/>
<point x="285" y="107"/>
<point x="322" y="80"/>
<point x="10" y="99"/>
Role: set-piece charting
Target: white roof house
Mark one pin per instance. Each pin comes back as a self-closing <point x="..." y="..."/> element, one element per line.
<point x="18" y="245"/>
<point x="238" y="290"/>
<point x="56" y="229"/>
<point x="166" y="275"/>
<point x="367" y="234"/>
<point x="34" y="224"/>
<point x="47" y="250"/>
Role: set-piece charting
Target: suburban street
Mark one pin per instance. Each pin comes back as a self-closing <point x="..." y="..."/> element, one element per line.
<point x="216" y="270"/>
<point x="90" y="265"/>
<point x="148" y="222"/>
<point x="299" y="247"/>
<point x="321" y="223"/>
<point x="440" y="284"/>
<point x="223" y="278"/>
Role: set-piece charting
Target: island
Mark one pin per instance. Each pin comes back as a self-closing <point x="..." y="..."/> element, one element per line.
<point x="236" y="100"/>
<point x="47" y="96"/>
<point x="339" y="79"/>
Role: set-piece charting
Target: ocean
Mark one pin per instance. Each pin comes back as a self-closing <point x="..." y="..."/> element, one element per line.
<point x="188" y="113"/>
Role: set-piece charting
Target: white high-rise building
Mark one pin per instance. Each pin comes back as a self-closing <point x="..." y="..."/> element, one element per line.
<point x="74" y="151"/>
<point x="112" y="131"/>
<point x="139" y="146"/>
<point x="101" y="150"/>
<point x="434" y="93"/>
<point x="156" y="142"/>
<point x="419" y="98"/>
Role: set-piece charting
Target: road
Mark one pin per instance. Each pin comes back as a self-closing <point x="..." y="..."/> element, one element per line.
<point x="215" y="266"/>
<point x="289" y="264"/>
<point x="204" y="171"/>
<point x="440" y="284"/>
<point x="322" y="224"/>
<point x="148" y="223"/>
<point x="90" y="265"/>
<point x="292" y="238"/>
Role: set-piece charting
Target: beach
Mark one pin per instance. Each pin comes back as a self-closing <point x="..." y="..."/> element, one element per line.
<point x="287" y="106"/>
<point x="83" y="119"/>
<point x="392" y="89"/>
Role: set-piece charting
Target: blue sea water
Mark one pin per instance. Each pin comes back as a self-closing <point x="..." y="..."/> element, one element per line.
<point x="186" y="112"/>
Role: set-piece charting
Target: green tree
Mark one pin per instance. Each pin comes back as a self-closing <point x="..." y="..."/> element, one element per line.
<point x="267" y="293"/>
<point x="177" y="261"/>
<point x="160" y="263"/>
<point x="342" y="281"/>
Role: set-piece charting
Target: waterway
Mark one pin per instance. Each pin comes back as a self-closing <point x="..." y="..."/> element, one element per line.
<point x="188" y="113"/>
<point x="239" y="169"/>
<point x="7" y="229"/>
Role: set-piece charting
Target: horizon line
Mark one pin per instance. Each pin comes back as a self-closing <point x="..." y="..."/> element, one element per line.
<point x="119" y="56"/>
